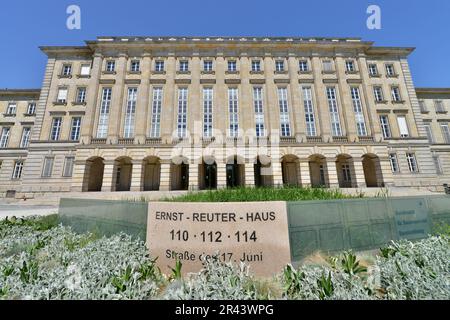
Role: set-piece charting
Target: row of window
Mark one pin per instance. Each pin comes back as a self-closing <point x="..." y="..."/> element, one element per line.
<point x="439" y="106"/>
<point x="11" y="109"/>
<point x="410" y="159"/>
<point x="47" y="169"/>
<point x="24" y="141"/>
<point x="444" y="129"/>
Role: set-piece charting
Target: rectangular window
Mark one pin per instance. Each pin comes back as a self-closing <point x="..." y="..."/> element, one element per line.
<point x="334" y="112"/>
<point x="232" y="66"/>
<point x="11" y="110"/>
<point x="207" y="65"/>
<point x="438" y="165"/>
<point x="303" y="65"/>
<point x="279" y="65"/>
<point x="385" y="127"/>
<point x="445" y="132"/>
<point x="75" y="129"/>
<point x="396" y="97"/>
<point x="159" y="65"/>
<point x="327" y="66"/>
<point x="439" y="106"/>
<point x="103" y="118"/>
<point x="155" y="129"/>
<point x="256" y="65"/>
<point x="68" y="167"/>
<point x="184" y="66"/>
<point x="373" y="70"/>
<point x="359" y="114"/>
<point x="182" y="112"/>
<point x="283" y="104"/>
<point x="56" y="129"/>
<point x="130" y="113"/>
<point x="412" y="163"/>
<point x="394" y="163"/>
<point x="309" y="112"/>
<point x="5" y="137"/>
<point x="17" y="172"/>
<point x="378" y="93"/>
<point x="25" y="140"/>
<point x="208" y="99"/>
<point x="429" y="132"/>
<point x="31" y="109"/>
<point x="423" y="106"/>
<point x="346" y="173"/>
<point x="67" y="70"/>
<point x="62" y="95"/>
<point x="350" y="66"/>
<point x="110" y="66"/>
<point x="233" y="112"/>
<point x="135" y="66"/>
<point x="403" y="126"/>
<point x="81" y="95"/>
<point x="85" y="69"/>
<point x="258" y="105"/>
<point x="48" y="167"/>
<point x="390" y="70"/>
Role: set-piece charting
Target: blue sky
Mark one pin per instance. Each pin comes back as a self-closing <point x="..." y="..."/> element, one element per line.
<point x="25" y="25"/>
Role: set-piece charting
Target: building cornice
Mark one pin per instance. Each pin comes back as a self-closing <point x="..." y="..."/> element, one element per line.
<point x="33" y="93"/>
<point x="433" y="90"/>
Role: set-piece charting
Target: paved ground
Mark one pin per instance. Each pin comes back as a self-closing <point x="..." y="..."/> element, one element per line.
<point x="19" y="210"/>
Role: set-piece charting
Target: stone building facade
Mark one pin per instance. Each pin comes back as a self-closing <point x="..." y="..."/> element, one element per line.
<point x="143" y="114"/>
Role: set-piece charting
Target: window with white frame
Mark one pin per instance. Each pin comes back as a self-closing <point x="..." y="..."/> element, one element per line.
<point x="334" y="112"/>
<point x="429" y="132"/>
<point x="208" y="100"/>
<point x="85" y="70"/>
<point x="130" y="113"/>
<point x="110" y="66"/>
<point x="437" y="164"/>
<point x="47" y="167"/>
<point x="403" y="127"/>
<point x="155" y="128"/>
<point x="11" y="109"/>
<point x="207" y="65"/>
<point x="67" y="70"/>
<point x="159" y="65"/>
<point x="232" y="66"/>
<point x="56" y="129"/>
<point x="439" y="106"/>
<point x="62" y="95"/>
<point x="283" y="104"/>
<point x="412" y="162"/>
<point x="256" y="65"/>
<point x="103" y="118"/>
<point x="25" y="140"/>
<point x="350" y="66"/>
<point x="279" y="65"/>
<point x="135" y="66"/>
<point x="373" y="70"/>
<point x="75" y="129"/>
<point x="445" y="132"/>
<point x="182" y="112"/>
<point x="394" y="163"/>
<point x="184" y="66"/>
<point x="68" y="167"/>
<point x="327" y="65"/>
<point x="31" y="109"/>
<point x="390" y="70"/>
<point x="378" y="93"/>
<point x="359" y="113"/>
<point x="396" y="97"/>
<point x="18" y="168"/>
<point x="308" y="105"/>
<point x="5" y="137"/>
<point x="303" y="65"/>
<point x="233" y="112"/>
<point x="385" y="127"/>
<point x="81" y="95"/>
<point x="258" y="105"/>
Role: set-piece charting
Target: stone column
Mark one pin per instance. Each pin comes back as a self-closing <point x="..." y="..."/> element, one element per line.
<point x="109" y="176"/>
<point x="137" y="176"/>
<point x="221" y="175"/>
<point x="117" y="101"/>
<point x="333" y="180"/>
<point x="164" y="184"/>
<point x="322" y="110"/>
<point x="143" y="104"/>
<point x="80" y="170"/>
<point x="305" y="176"/>
<point x="360" y="179"/>
<point x="193" y="176"/>
<point x="277" y="173"/>
<point x="249" y="174"/>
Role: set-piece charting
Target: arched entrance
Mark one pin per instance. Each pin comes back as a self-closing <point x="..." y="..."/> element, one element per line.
<point x="152" y="173"/>
<point x="290" y="169"/>
<point x="263" y="172"/>
<point x="318" y="171"/>
<point x="179" y="174"/>
<point x="345" y="171"/>
<point x="122" y="174"/>
<point x="93" y="175"/>
<point x="207" y="172"/>
<point x="372" y="171"/>
<point x="235" y="172"/>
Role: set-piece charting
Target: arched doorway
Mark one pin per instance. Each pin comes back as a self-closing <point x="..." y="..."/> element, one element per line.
<point x="122" y="174"/>
<point x="93" y="175"/>
<point x="207" y="172"/>
<point x="235" y="172"/>
<point x="345" y="171"/>
<point x="179" y="174"/>
<point x="372" y="171"/>
<point x="263" y="172"/>
<point x="318" y="171"/>
<point x="290" y="169"/>
<point x="152" y="173"/>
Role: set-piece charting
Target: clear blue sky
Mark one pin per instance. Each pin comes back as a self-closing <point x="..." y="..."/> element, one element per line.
<point x="25" y="25"/>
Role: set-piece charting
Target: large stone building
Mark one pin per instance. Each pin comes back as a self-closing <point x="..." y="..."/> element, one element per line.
<point x="139" y="114"/>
